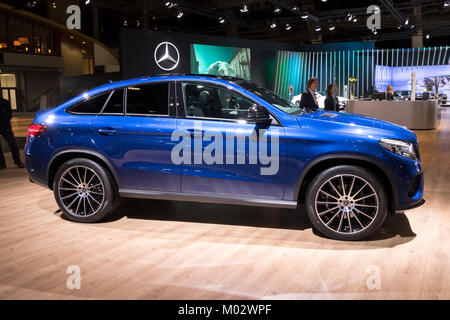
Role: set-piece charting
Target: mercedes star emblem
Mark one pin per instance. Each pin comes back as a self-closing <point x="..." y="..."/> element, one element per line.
<point x="167" y="56"/>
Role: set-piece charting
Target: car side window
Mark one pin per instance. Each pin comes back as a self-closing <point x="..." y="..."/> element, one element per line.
<point x="149" y="99"/>
<point x="209" y="101"/>
<point x="92" y="105"/>
<point x="115" y="103"/>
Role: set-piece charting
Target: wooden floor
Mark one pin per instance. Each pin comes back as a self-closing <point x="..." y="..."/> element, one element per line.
<point x="20" y="125"/>
<point x="172" y="250"/>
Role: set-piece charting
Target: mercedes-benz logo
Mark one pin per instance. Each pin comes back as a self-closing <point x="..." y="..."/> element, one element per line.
<point x="167" y="56"/>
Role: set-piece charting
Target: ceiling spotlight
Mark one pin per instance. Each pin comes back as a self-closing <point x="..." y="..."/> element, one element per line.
<point x="277" y="10"/>
<point x="273" y="26"/>
<point x="331" y="27"/>
<point x="427" y="36"/>
<point x="180" y="15"/>
<point x="446" y="4"/>
<point x="318" y="28"/>
<point x="244" y="9"/>
<point x="169" y="4"/>
<point x="295" y="9"/>
<point x="406" y="21"/>
<point x="374" y="31"/>
<point x="125" y="23"/>
<point x="399" y="26"/>
<point x="54" y="5"/>
<point x="324" y="0"/>
<point x="412" y="26"/>
<point x="87" y="2"/>
<point x="138" y="23"/>
<point x="305" y="15"/>
<point x="221" y="20"/>
<point x="355" y="19"/>
<point x="349" y="17"/>
<point x="288" y="27"/>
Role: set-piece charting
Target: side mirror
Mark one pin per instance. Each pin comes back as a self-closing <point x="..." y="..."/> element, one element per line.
<point x="259" y="115"/>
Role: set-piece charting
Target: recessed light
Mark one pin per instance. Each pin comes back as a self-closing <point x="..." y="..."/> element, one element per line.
<point x="244" y="9"/>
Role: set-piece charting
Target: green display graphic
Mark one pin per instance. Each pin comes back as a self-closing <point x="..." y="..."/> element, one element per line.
<point x="220" y="60"/>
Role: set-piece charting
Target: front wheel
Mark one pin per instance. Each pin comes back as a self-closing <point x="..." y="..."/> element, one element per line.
<point x="346" y="203"/>
<point x="84" y="190"/>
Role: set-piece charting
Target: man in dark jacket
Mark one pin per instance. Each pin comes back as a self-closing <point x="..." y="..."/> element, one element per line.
<point x="7" y="133"/>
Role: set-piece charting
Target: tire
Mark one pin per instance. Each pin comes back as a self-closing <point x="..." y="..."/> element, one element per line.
<point x="84" y="190"/>
<point x="352" y="218"/>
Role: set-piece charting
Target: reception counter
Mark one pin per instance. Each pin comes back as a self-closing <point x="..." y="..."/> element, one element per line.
<point x="420" y="114"/>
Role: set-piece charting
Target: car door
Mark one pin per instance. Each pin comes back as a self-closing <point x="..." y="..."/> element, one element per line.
<point x="134" y="132"/>
<point x="235" y="166"/>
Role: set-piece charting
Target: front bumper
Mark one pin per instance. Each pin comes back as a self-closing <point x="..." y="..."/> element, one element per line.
<point x="410" y="185"/>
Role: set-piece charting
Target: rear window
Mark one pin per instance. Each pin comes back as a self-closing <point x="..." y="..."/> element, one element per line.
<point x="150" y="99"/>
<point x="92" y="105"/>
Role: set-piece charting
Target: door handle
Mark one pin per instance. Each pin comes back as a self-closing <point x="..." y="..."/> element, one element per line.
<point x="196" y="133"/>
<point x="107" y="131"/>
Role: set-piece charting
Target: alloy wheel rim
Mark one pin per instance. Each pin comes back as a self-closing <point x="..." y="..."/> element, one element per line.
<point x="81" y="191"/>
<point x="346" y="204"/>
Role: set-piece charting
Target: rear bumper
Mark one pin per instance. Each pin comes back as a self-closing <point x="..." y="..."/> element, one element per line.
<point x="413" y="205"/>
<point x="37" y="181"/>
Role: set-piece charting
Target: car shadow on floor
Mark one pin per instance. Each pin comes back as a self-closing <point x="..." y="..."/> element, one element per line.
<point x="396" y="226"/>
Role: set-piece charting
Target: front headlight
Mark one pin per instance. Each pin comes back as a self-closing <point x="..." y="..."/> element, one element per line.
<point x="399" y="147"/>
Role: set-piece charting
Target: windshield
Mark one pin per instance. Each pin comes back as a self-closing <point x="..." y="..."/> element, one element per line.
<point x="274" y="99"/>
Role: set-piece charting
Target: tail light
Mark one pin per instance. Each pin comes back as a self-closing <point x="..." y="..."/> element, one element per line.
<point x="35" y="130"/>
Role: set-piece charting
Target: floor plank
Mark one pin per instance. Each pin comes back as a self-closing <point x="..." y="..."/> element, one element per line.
<point x="171" y="250"/>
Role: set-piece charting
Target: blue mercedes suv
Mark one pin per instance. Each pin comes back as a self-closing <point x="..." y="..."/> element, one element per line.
<point x="222" y="140"/>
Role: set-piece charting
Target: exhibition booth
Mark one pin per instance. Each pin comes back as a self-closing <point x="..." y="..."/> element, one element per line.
<point x="360" y="72"/>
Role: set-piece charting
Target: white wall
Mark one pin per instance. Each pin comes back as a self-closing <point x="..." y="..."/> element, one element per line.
<point x="32" y="60"/>
<point x="73" y="59"/>
<point x="104" y="58"/>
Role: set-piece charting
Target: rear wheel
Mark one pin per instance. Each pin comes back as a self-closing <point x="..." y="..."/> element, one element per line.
<point x="84" y="190"/>
<point x="346" y="203"/>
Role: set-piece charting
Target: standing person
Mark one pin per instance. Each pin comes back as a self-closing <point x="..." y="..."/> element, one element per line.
<point x="389" y="93"/>
<point x="331" y="102"/>
<point x="7" y="133"/>
<point x="309" y="99"/>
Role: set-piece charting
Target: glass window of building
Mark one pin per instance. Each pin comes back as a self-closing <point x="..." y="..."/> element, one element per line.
<point x="8" y="87"/>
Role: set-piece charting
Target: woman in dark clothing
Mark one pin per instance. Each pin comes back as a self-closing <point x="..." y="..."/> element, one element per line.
<point x="308" y="99"/>
<point x="331" y="102"/>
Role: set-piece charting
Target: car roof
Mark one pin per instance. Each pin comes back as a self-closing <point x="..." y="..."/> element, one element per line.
<point x="167" y="77"/>
<point x="151" y="78"/>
